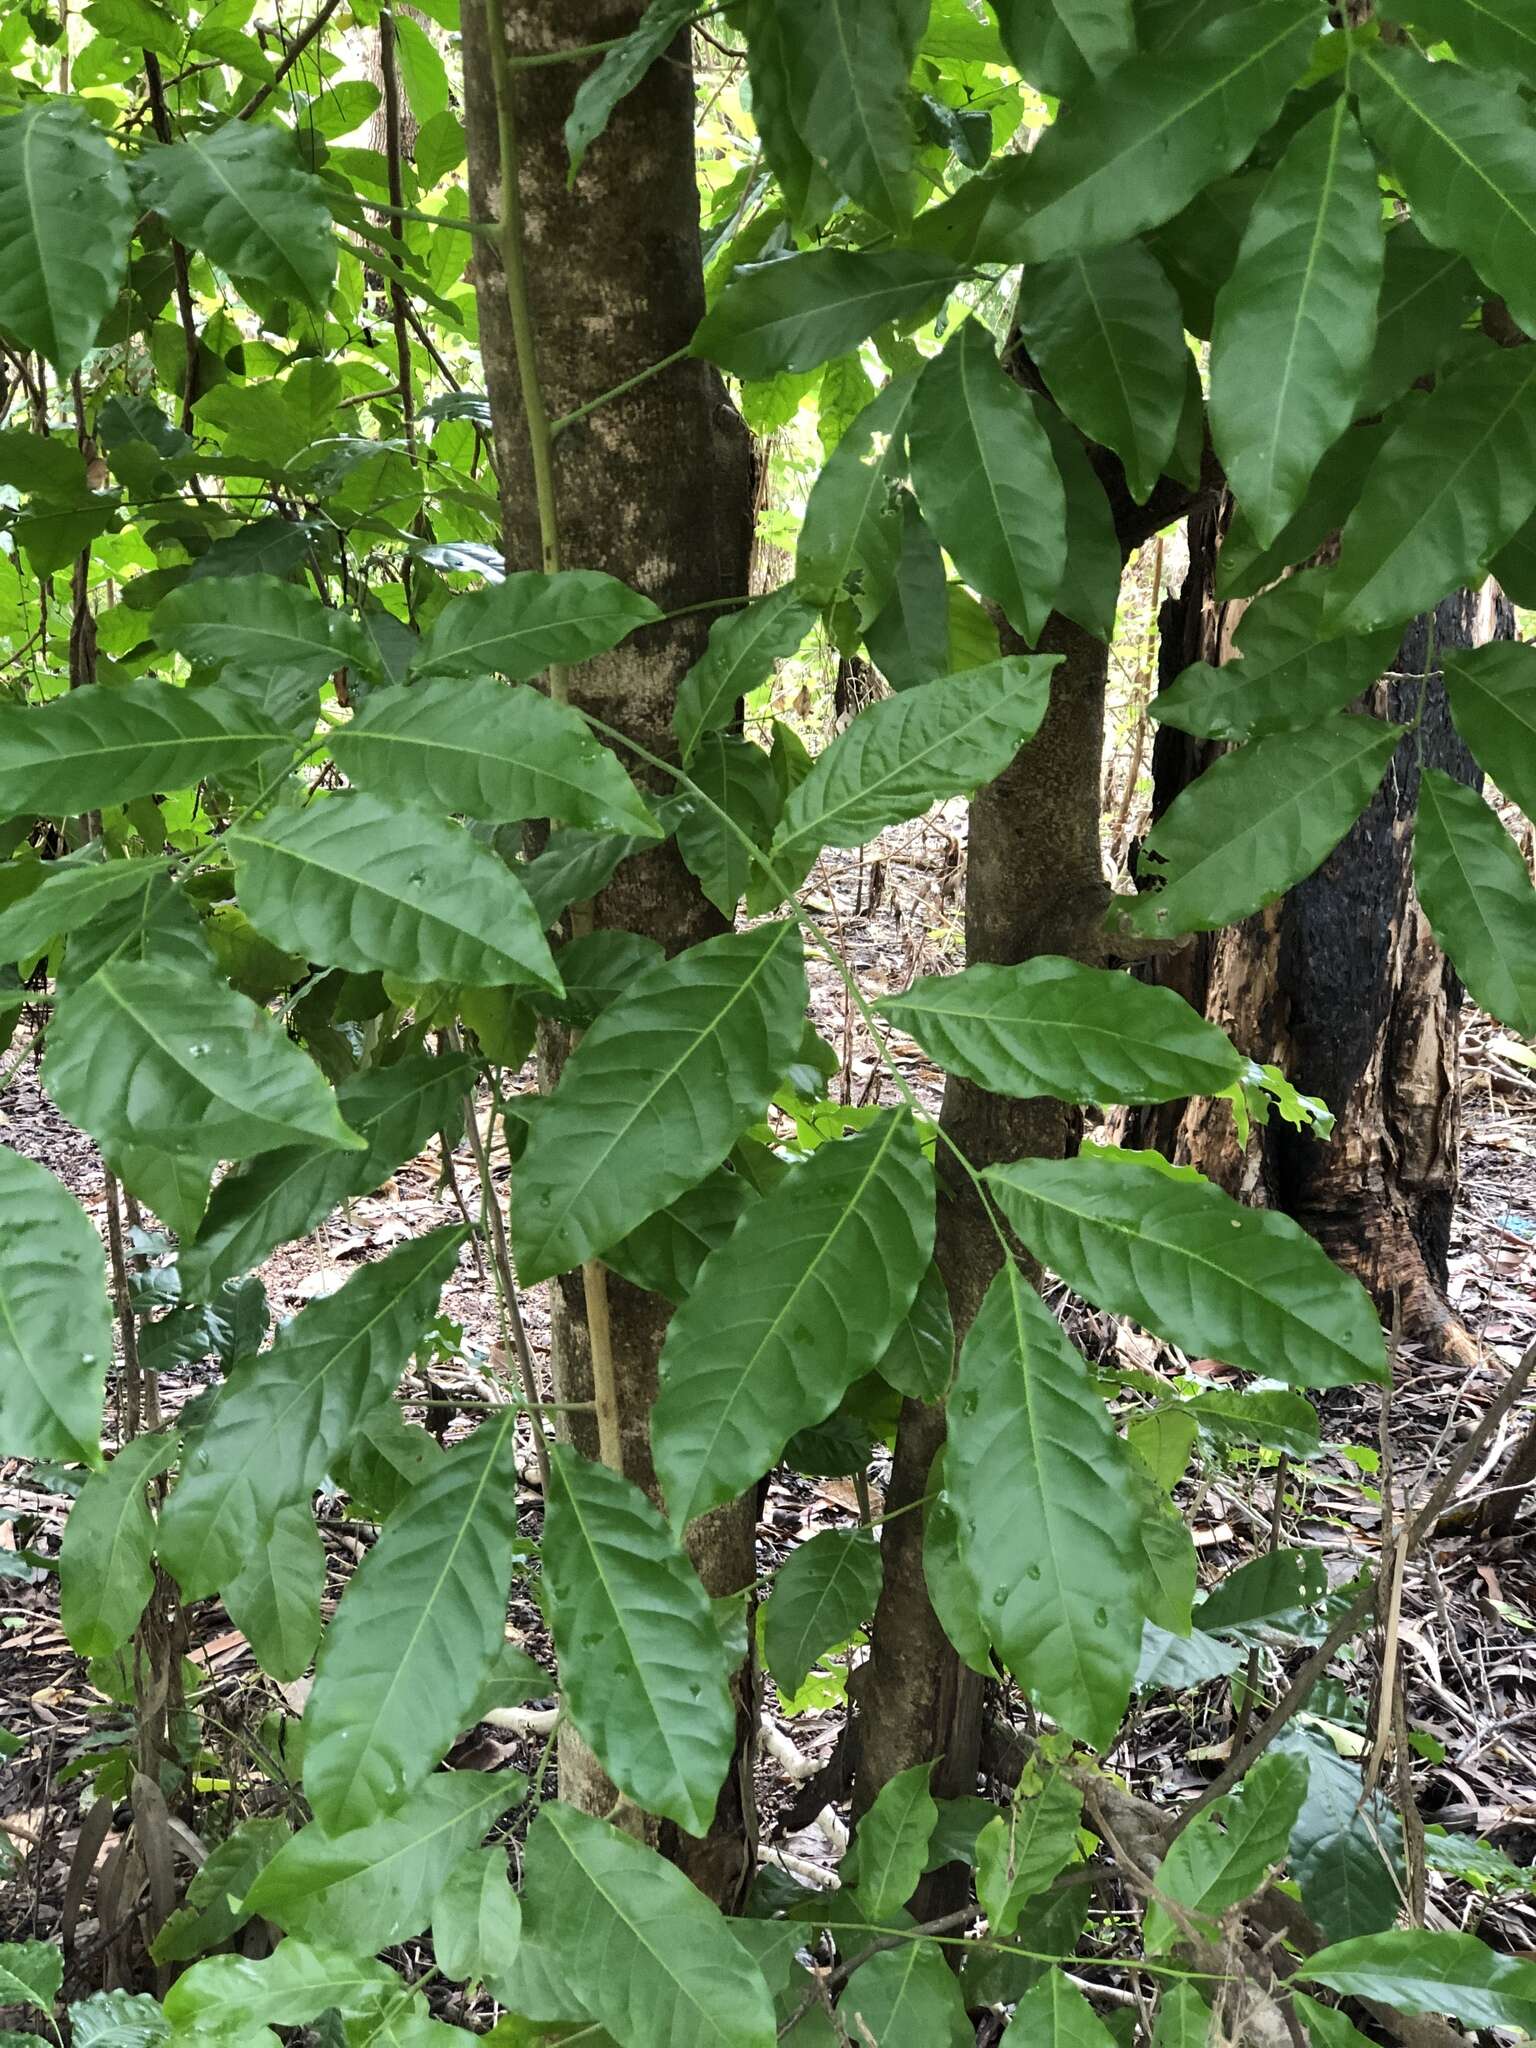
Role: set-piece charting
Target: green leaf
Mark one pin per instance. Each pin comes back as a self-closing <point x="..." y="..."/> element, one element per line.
<point x="1291" y="671"/>
<point x="664" y="1254"/>
<point x="1090" y="590"/>
<point x="1494" y="35"/>
<point x="1038" y="1480"/>
<point x="848" y="65"/>
<point x="256" y="623"/>
<point x="1184" y="2020"/>
<point x="274" y="1598"/>
<point x="657" y="1966"/>
<point x="289" y="1988"/>
<point x="1461" y="146"/>
<point x="243" y="196"/>
<point x="367" y="883"/>
<point x="375" y="1885"/>
<point x="283" y="1195"/>
<point x="493" y="752"/>
<point x="65" y="232"/>
<point x="55" y="1327"/>
<point x="1107" y="332"/>
<point x="1020" y="1853"/>
<point x="1284" y="1422"/>
<point x="1052" y="1027"/>
<point x="1244" y="568"/>
<point x="851" y="537"/>
<point x="1493" y="701"/>
<point x="641" y="1669"/>
<point x="897" y="757"/>
<point x="1469" y="449"/>
<point x="1055" y="2014"/>
<point x="1426" y="296"/>
<point x="906" y="1997"/>
<point x="1137" y="146"/>
<point x="573" y="866"/>
<point x="1225" y="1854"/>
<point x="150" y="1056"/>
<point x="215" y="1907"/>
<point x="921" y="1356"/>
<point x="477" y="1921"/>
<point x="892" y="1842"/>
<point x="800" y="311"/>
<point x="1255" y="823"/>
<point x="1266" y="1592"/>
<point x="908" y="638"/>
<point x="530" y="622"/>
<point x="1063" y="45"/>
<point x="623" y="67"/>
<point x="89" y="749"/>
<point x="802" y="1300"/>
<point x="823" y="1591"/>
<point x="30" y="1974"/>
<point x="1476" y="892"/>
<point x="1220" y="1281"/>
<point x="1325" y="2024"/>
<point x="117" y="2019"/>
<point x="1416" y="1971"/>
<point x="656" y="1094"/>
<point x="1346" y="1847"/>
<point x="738" y="777"/>
<point x="281" y="1417"/>
<point x="743" y="648"/>
<point x="106" y="1573"/>
<point x="1296" y="319"/>
<point x="986" y="481"/>
<point x="414" y="1635"/>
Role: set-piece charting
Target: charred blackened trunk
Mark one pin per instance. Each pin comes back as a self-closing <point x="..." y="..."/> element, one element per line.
<point x="1342" y="985"/>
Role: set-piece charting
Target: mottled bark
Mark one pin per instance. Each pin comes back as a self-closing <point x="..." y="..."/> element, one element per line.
<point x="1034" y="884"/>
<point x="1340" y="984"/>
<point x="655" y="488"/>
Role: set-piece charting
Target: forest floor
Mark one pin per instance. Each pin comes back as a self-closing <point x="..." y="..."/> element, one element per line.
<point x="1467" y="1639"/>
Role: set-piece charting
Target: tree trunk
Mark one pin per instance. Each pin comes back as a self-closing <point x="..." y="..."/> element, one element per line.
<point x="1340" y="984"/>
<point x="1034" y="884"/>
<point x="654" y="487"/>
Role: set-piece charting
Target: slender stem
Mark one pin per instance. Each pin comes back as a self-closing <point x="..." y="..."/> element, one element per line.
<point x="519" y="304"/>
<point x="558" y="427"/>
<point x="164" y="133"/>
<point x="296" y="49"/>
<point x="501" y="1262"/>
<point x="594" y="1278"/>
<point x="389" y="72"/>
<point x="133" y="1378"/>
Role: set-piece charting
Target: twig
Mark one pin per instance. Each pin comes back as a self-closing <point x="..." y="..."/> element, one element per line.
<point x="1417" y="1531"/>
<point x="389" y="72"/>
<point x="296" y="49"/>
<point x="161" y="118"/>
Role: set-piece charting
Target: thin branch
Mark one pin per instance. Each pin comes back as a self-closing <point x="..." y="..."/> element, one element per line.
<point x="296" y="49"/>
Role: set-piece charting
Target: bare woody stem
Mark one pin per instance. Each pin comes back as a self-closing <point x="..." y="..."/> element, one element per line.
<point x="594" y="1278"/>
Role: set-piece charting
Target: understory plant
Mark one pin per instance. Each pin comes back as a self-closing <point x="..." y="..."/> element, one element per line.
<point x="326" y="825"/>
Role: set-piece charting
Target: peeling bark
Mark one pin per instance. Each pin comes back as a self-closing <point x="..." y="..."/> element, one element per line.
<point x="654" y="487"/>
